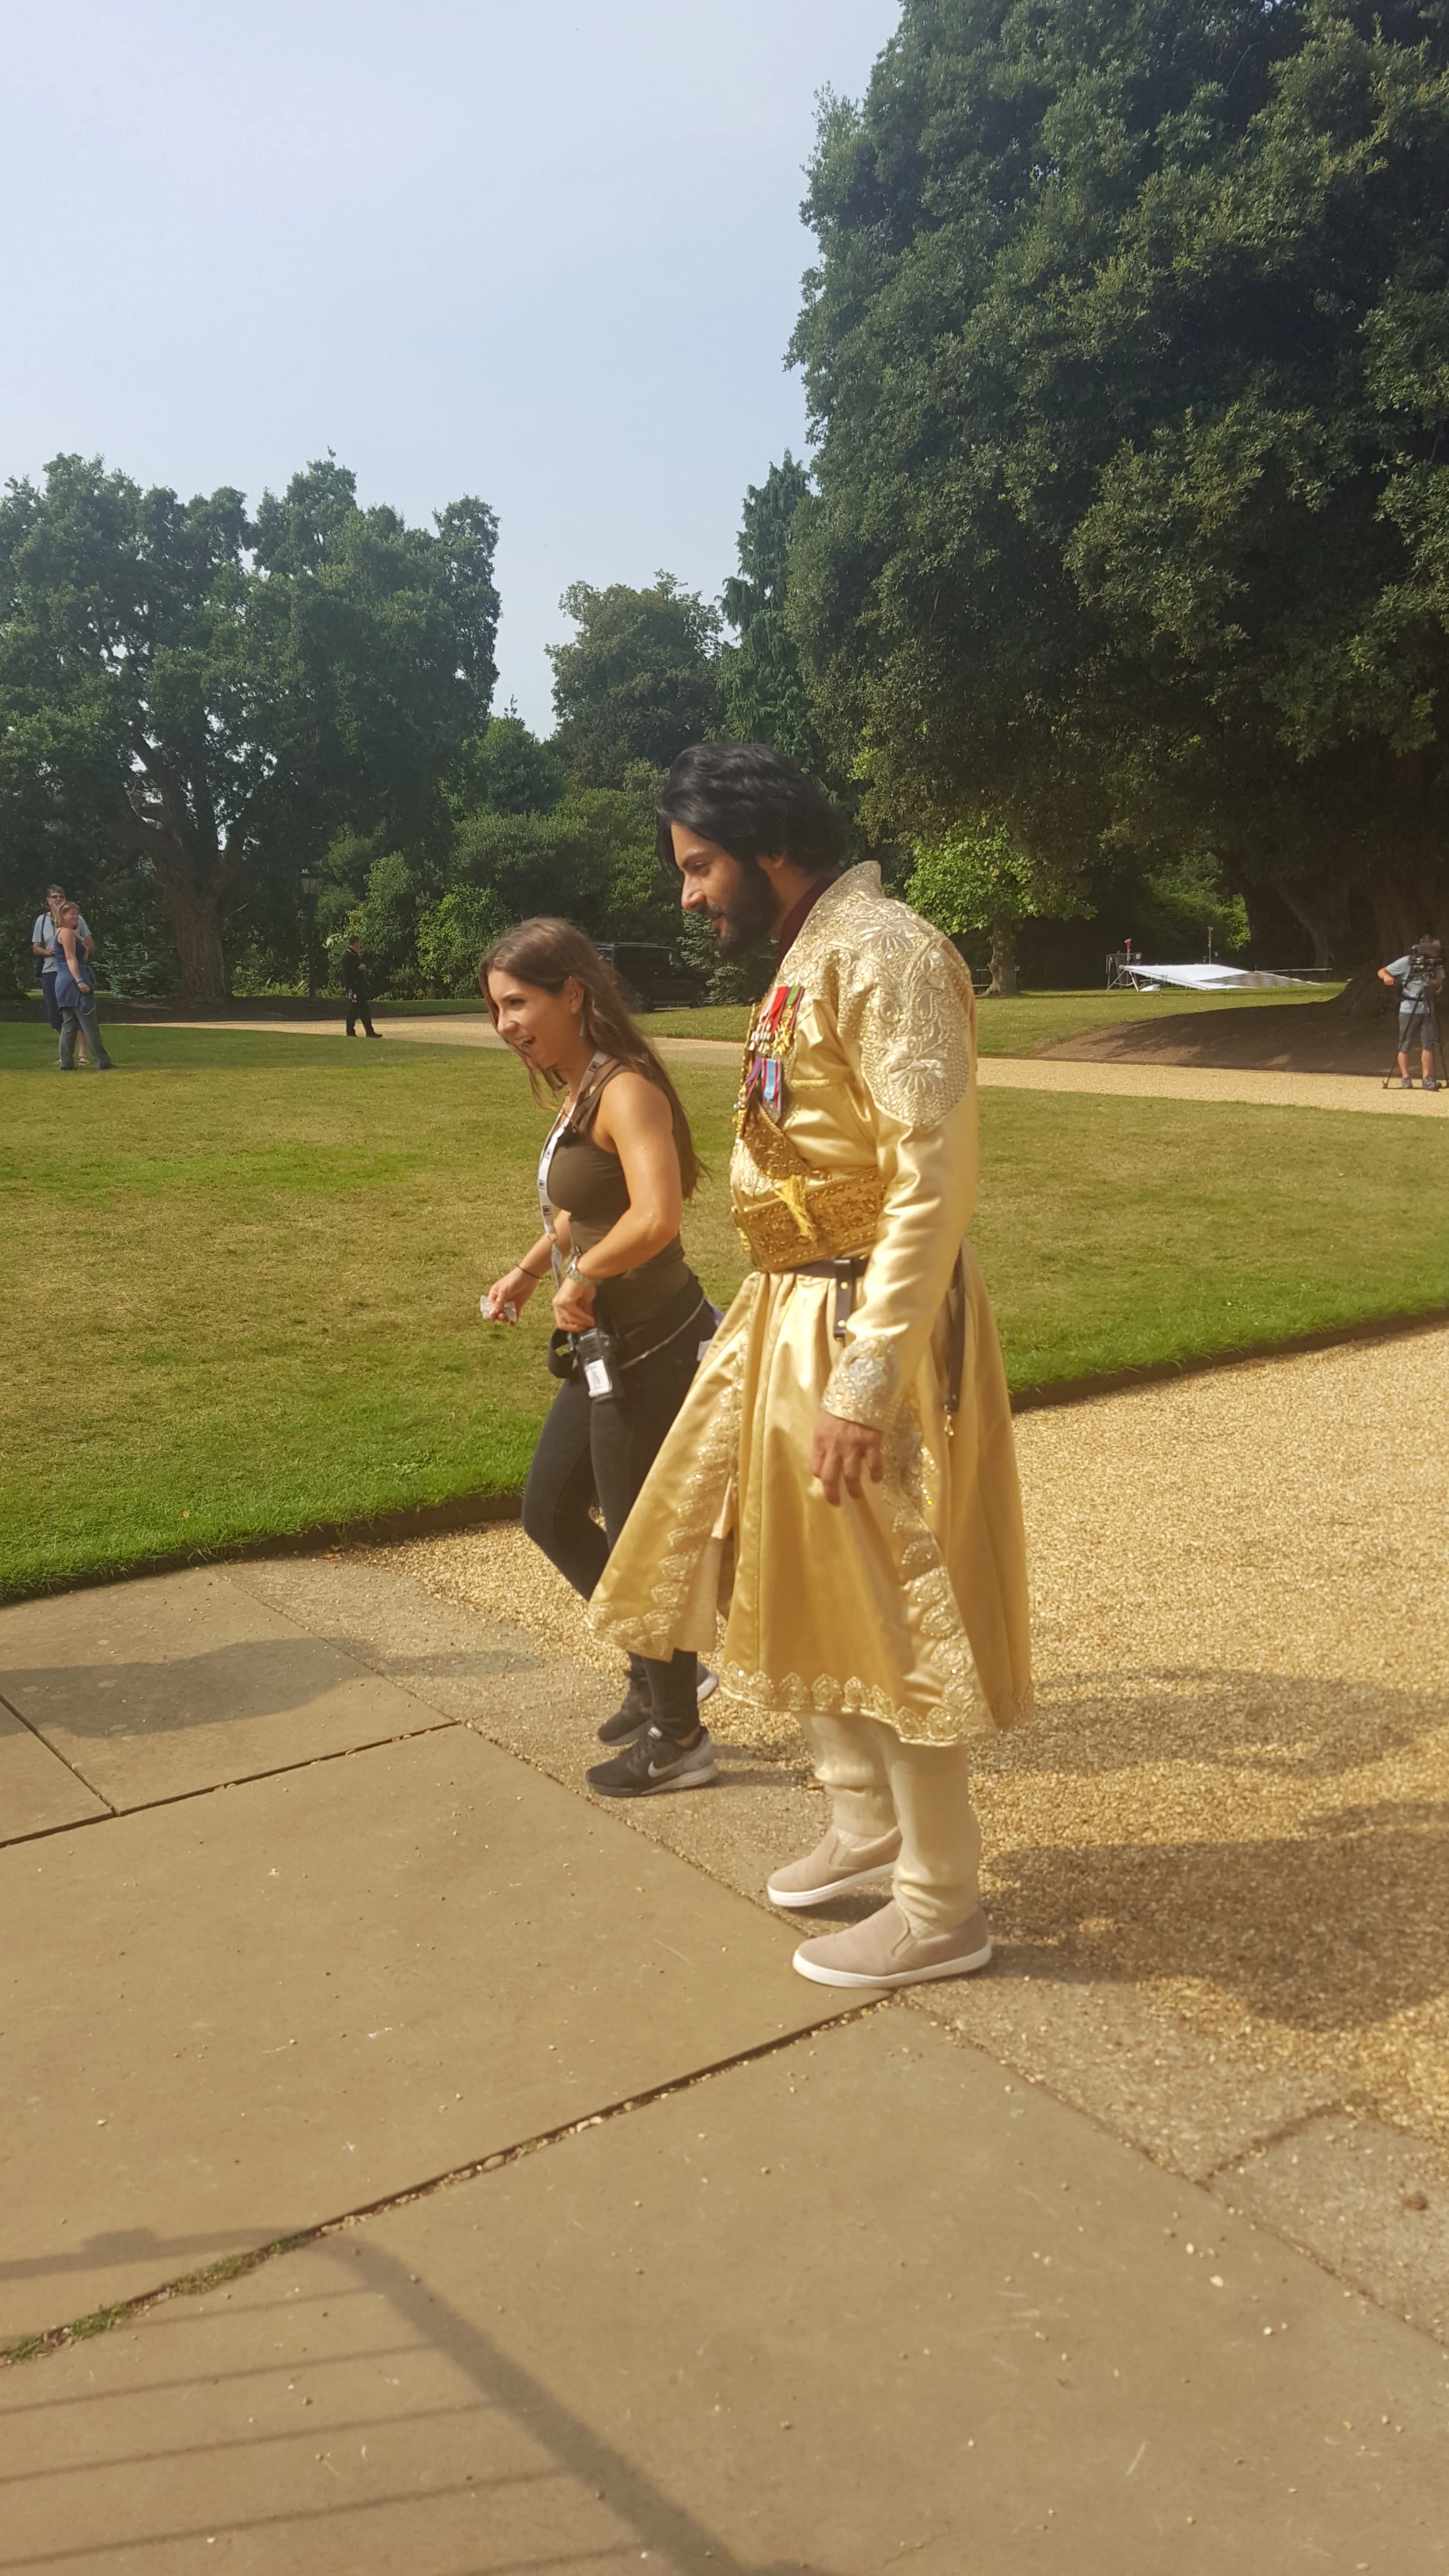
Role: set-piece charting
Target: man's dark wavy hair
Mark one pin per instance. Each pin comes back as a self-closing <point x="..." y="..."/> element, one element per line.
<point x="753" y="802"/>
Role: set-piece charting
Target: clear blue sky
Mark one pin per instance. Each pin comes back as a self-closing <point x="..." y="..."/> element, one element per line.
<point x="546" y="254"/>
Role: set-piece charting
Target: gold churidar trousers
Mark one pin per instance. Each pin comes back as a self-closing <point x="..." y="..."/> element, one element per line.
<point x="874" y="1782"/>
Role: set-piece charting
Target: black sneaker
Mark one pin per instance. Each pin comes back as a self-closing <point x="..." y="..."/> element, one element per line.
<point x="630" y="1719"/>
<point x="652" y="1764"/>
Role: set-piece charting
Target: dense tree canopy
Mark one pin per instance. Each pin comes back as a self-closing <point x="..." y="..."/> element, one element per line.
<point x="765" y="696"/>
<point x="508" y="770"/>
<point x="212" y="696"/>
<point x="1128" y="354"/>
<point x="640" y="679"/>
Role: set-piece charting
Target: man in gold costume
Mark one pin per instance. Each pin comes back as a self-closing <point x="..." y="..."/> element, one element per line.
<point x="841" y="1481"/>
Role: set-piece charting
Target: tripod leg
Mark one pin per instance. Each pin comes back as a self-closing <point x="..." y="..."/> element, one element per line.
<point x="1395" y="1072"/>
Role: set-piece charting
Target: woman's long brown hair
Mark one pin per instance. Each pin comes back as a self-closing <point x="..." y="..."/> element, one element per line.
<point x="547" y="953"/>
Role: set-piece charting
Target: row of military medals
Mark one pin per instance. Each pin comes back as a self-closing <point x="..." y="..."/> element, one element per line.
<point x="767" y="1050"/>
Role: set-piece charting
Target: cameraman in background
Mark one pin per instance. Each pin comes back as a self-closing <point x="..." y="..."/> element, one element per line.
<point x="1420" y="979"/>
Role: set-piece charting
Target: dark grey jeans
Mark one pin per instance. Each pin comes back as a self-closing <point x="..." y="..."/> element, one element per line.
<point x="79" y="1018"/>
<point x="601" y="1453"/>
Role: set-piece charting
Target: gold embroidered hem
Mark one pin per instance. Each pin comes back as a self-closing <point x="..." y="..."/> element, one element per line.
<point x="776" y="1708"/>
<point x="894" y="1607"/>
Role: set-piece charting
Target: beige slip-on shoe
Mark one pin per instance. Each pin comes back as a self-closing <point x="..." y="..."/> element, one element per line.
<point x="884" y="1951"/>
<point x="836" y="1864"/>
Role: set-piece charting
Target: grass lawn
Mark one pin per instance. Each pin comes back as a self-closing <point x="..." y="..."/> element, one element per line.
<point x="242" y="1272"/>
<point x="1035" y="1020"/>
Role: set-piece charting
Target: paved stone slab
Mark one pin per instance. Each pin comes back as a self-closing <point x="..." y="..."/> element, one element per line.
<point x="1109" y="2051"/>
<point x="481" y="1670"/>
<point x="858" y="2305"/>
<point x="156" y="1689"/>
<point x="545" y="1705"/>
<point x="1195" y="2105"/>
<point x="234" y="2017"/>
<point x="37" y="1792"/>
<point x="1370" y="2201"/>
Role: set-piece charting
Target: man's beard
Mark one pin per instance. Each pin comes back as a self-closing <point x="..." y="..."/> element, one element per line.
<point x="749" y="916"/>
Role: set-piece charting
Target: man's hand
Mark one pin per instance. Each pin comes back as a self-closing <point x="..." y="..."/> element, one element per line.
<point x="839" y="1452"/>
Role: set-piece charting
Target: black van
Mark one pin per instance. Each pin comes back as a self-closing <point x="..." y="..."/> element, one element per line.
<point x="654" y="979"/>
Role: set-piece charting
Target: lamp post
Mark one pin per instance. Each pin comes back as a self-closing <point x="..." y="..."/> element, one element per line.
<point x="309" y="885"/>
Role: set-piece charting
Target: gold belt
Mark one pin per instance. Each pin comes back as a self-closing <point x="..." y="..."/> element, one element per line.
<point x="807" y="1215"/>
<point x="822" y="1220"/>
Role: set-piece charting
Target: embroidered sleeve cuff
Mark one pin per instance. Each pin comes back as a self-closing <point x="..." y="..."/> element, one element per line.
<point x="862" y="1385"/>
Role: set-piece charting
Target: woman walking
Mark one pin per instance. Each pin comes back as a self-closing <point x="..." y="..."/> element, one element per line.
<point x="631" y="1317"/>
<point x="75" y="991"/>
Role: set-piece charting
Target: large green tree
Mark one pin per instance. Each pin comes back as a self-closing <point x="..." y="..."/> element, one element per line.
<point x="217" y="695"/>
<point x="979" y="879"/>
<point x="640" y="679"/>
<point x="1128" y="355"/>
<point x="765" y="695"/>
<point x="508" y="770"/>
<point x="590" y="857"/>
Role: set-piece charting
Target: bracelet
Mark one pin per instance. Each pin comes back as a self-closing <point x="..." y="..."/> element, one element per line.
<point x="534" y="1275"/>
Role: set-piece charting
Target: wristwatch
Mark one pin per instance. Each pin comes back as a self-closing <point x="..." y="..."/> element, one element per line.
<point x="571" y="1270"/>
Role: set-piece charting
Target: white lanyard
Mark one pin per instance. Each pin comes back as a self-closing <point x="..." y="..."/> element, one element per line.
<point x="545" y="1160"/>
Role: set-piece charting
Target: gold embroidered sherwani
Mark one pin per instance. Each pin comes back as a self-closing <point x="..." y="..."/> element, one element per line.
<point x="861" y="1138"/>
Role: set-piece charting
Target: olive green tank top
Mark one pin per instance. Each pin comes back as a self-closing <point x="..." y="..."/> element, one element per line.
<point x="587" y="1182"/>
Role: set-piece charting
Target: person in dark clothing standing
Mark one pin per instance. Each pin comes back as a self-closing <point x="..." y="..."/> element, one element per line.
<point x="357" y="985"/>
<point x="632" y="1318"/>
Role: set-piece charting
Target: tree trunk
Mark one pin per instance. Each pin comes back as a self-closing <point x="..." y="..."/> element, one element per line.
<point x="195" y="915"/>
<point x="1364" y="997"/>
<point x="1003" y="956"/>
<point x="1323" y="916"/>
<point x="1405" y="903"/>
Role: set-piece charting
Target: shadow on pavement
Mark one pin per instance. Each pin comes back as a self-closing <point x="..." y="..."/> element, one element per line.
<point x="129" y="2245"/>
<point x="423" y="2443"/>
<point x="256" y="1677"/>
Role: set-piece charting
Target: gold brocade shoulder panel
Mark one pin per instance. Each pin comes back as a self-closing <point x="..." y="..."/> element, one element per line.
<point x="899" y="991"/>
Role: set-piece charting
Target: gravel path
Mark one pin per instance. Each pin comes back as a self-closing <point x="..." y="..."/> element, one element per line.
<point x="1210" y="1082"/>
<point x="1239" y="1789"/>
<point x="459" y="1032"/>
<point x="1235" y="1798"/>
<point x="996" y="1072"/>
